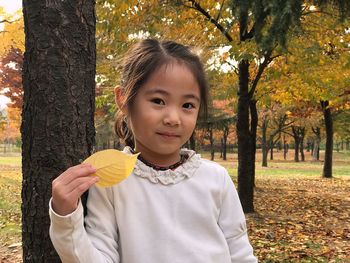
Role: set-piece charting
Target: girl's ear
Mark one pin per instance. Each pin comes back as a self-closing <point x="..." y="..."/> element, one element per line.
<point x="119" y="99"/>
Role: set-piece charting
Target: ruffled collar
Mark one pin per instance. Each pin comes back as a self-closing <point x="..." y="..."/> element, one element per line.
<point x="186" y="170"/>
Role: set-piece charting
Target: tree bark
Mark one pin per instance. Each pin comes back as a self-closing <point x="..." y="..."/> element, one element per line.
<point x="221" y="147"/>
<point x="271" y="149"/>
<point x="327" y="166"/>
<point x="296" y="143"/>
<point x="253" y="131"/>
<point x="245" y="160"/>
<point x="264" y="148"/>
<point x="58" y="110"/>
<point x="302" y="136"/>
<point x="226" y="130"/>
<point x="285" y="148"/>
<point x="193" y="141"/>
<point x="316" y="143"/>
<point x="211" y="140"/>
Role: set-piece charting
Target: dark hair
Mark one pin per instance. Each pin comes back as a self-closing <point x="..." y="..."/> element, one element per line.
<point x="141" y="61"/>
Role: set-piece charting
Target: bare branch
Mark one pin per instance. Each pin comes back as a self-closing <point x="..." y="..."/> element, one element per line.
<point x="200" y="9"/>
<point x="219" y="14"/>
<point x="262" y="66"/>
<point x="7" y="21"/>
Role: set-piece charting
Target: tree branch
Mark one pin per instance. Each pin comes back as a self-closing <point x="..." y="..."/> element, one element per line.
<point x="200" y="9"/>
<point x="262" y="66"/>
<point x="219" y="14"/>
<point x="7" y="21"/>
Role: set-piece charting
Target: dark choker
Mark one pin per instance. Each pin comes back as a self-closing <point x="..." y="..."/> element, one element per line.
<point x="161" y="168"/>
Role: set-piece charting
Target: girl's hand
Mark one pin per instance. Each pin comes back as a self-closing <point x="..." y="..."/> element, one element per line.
<point x="69" y="186"/>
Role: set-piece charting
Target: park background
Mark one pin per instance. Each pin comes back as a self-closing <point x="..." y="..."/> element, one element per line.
<point x="291" y="114"/>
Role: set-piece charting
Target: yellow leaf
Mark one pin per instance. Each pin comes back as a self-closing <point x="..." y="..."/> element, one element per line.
<point x="112" y="166"/>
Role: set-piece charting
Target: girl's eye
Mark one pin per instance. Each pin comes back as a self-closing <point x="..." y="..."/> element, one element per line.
<point x="158" y="101"/>
<point x="188" y="106"/>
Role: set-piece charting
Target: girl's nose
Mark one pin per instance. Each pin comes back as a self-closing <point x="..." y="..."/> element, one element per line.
<point x="172" y="118"/>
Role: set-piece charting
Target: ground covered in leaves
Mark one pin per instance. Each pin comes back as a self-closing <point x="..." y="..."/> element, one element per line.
<point x="299" y="217"/>
<point x="301" y="220"/>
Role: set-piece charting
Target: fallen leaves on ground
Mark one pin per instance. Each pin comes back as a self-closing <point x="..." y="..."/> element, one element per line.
<point x="301" y="220"/>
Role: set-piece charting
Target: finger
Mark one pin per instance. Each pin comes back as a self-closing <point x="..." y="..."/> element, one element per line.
<point x="75" y="172"/>
<point x="72" y="168"/>
<point x="66" y="195"/>
<point x="80" y="185"/>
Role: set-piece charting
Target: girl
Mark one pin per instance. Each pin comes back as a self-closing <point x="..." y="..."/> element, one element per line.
<point x="175" y="207"/>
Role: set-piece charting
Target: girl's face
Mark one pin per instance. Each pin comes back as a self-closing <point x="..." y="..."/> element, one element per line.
<point x="164" y="113"/>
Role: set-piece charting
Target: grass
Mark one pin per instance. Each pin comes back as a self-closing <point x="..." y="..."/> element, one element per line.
<point x="288" y="168"/>
<point x="10" y="204"/>
<point x="11" y="160"/>
<point x="287" y="194"/>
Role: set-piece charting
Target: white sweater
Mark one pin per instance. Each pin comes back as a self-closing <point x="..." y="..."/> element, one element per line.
<point x="189" y="215"/>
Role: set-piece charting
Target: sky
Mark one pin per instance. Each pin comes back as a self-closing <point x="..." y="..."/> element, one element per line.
<point x="10" y="7"/>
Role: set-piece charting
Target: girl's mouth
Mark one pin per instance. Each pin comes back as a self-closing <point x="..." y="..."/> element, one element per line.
<point x="168" y="135"/>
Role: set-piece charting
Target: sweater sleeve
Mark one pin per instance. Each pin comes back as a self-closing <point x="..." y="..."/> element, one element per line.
<point x="233" y="224"/>
<point x="97" y="242"/>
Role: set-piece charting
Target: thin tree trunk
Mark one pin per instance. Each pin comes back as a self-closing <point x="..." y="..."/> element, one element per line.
<point x="315" y="150"/>
<point x="316" y="146"/>
<point x="296" y="143"/>
<point x="221" y="147"/>
<point x="327" y="166"/>
<point x="296" y="149"/>
<point x="211" y="139"/>
<point x="271" y="150"/>
<point x="264" y="148"/>
<point x="285" y="148"/>
<point x="253" y="132"/>
<point x="245" y="161"/>
<point x="226" y="130"/>
<point x="302" y="136"/>
<point x="193" y="141"/>
<point x="58" y="108"/>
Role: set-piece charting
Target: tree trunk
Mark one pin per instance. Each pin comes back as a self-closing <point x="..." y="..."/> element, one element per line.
<point x="58" y="108"/>
<point x="226" y="130"/>
<point x="211" y="139"/>
<point x="253" y="132"/>
<point x="245" y="160"/>
<point x="315" y="150"/>
<point x="264" y="148"/>
<point x="327" y="166"/>
<point x="271" y="150"/>
<point x="296" y="149"/>
<point x="296" y="143"/>
<point x="221" y="147"/>
<point x="316" y="144"/>
<point x="302" y="136"/>
<point x="285" y="148"/>
<point x="193" y="141"/>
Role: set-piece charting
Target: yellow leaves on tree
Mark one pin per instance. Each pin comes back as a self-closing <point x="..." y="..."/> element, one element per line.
<point x="11" y="33"/>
